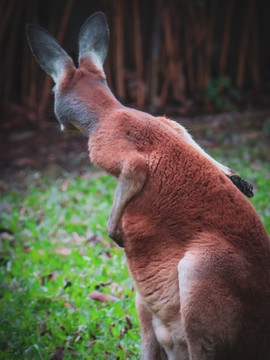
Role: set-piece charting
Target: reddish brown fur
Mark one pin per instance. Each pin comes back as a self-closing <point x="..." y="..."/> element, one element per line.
<point x="186" y="204"/>
<point x="196" y="249"/>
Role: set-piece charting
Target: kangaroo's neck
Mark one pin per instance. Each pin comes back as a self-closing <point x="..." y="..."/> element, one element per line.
<point x="98" y="101"/>
<point x="97" y="95"/>
<point x="86" y="105"/>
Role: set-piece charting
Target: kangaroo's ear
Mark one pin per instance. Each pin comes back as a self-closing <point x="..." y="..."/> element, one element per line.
<point x="94" y="38"/>
<point x="48" y="53"/>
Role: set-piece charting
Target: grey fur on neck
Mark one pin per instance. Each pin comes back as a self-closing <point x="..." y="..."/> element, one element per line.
<point x="72" y="112"/>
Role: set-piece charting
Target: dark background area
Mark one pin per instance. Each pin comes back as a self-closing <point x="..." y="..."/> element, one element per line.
<point x="185" y="58"/>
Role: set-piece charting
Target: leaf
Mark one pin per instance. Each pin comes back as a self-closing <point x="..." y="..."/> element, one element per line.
<point x="93" y="240"/>
<point x="77" y="339"/>
<point x="108" y="254"/>
<point x="52" y="275"/>
<point x="128" y="322"/>
<point x="6" y="234"/>
<point x="59" y="353"/>
<point x="105" y="283"/>
<point x="26" y="248"/>
<point x="65" y="184"/>
<point x="255" y="166"/>
<point x="81" y="328"/>
<point x="93" y="336"/>
<point x="62" y="250"/>
<point x="68" y="284"/>
<point x="96" y="295"/>
<point x="40" y="217"/>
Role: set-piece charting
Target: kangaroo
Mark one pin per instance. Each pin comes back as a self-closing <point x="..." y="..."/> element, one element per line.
<point x="196" y="249"/>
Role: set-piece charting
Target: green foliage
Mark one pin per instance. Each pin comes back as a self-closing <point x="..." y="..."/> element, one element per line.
<point x="55" y="251"/>
<point x="44" y="291"/>
<point x="221" y="94"/>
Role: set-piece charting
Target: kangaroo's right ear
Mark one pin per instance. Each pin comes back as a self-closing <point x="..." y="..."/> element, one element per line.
<point x="94" y="38"/>
<point x="48" y="53"/>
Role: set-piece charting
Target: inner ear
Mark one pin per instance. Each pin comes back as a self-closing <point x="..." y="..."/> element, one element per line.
<point x="49" y="54"/>
<point x="94" y="38"/>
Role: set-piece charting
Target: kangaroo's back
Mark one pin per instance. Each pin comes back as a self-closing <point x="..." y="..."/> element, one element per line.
<point x="191" y="231"/>
<point x="195" y="194"/>
<point x="184" y="196"/>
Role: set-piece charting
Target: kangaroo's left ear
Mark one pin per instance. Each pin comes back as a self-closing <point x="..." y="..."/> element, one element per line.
<point x="48" y="53"/>
<point x="94" y="38"/>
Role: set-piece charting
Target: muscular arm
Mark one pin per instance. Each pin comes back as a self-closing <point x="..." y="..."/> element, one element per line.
<point x="130" y="182"/>
<point x="130" y="168"/>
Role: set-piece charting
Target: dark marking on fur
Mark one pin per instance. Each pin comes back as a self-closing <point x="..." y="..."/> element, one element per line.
<point x="245" y="187"/>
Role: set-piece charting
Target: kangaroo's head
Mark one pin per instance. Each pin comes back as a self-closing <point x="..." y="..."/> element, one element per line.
<point x="80" y="94"/>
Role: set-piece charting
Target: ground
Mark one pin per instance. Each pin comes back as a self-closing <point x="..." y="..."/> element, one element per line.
<point x="42" y="146"/>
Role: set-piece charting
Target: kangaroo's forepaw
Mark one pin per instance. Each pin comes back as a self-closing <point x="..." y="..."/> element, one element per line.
<point x="245" y="187"/>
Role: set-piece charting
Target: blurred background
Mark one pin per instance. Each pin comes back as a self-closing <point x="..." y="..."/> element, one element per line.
<point x="185" y="58"/>
<point x="65" y="292"/>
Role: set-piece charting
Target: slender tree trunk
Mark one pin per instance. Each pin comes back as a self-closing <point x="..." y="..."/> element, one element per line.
<point x="226" y="38"/>
<point x="243" y="53"/>
<point x="119" y="48"/>
<point x="6" y="19"/>
<point x="46" y="89"/>
<point x="140" y="99"/>
<point x="153" y="98"/>
<point x="210" y="42"/>
<point x="254" y="58"/>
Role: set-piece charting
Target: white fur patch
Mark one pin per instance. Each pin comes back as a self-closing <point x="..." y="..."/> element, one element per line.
<point x="227" y="171"/>
<point x="187" y="271"/>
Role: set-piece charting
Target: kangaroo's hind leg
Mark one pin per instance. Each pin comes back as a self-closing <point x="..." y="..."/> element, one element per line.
<point x="151" y="349"/>
<point x="210" y="311"/>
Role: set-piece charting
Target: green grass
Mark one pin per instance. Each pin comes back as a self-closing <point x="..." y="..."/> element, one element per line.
<point x="45" y="307"/>
<point x="44" y="294"/>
